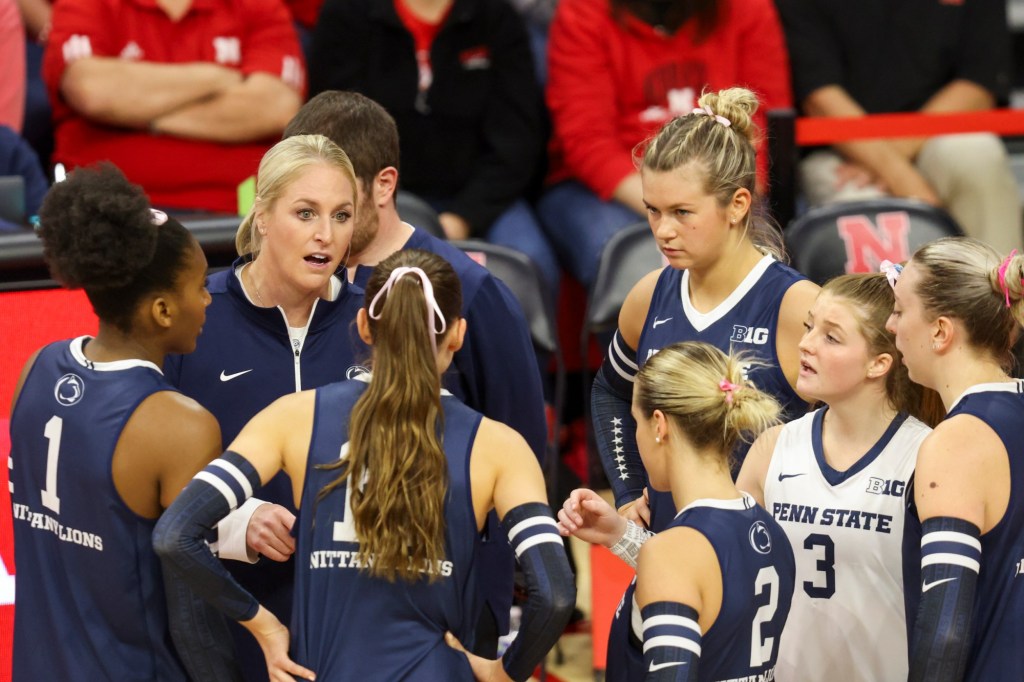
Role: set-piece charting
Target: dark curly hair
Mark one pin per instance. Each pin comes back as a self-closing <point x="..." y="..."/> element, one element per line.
<point x="98" y="235"/>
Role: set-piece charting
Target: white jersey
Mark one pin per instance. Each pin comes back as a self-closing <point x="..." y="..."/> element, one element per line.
<point x="848" y="619"/>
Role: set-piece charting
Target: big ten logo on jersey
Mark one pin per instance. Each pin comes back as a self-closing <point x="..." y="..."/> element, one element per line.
<point x="1019" y="569"/>
<point x="868" y="244"/>
<point x="755" y="335"/>
<point x="884" y="486"/>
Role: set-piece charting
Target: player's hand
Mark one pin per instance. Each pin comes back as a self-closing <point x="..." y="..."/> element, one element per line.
<point x="638" y="511"/>
<point x="484" y="669"/>
<point x="269" y="532"/>
<point x="273" y="639"/>
<point x="587" y="516"/>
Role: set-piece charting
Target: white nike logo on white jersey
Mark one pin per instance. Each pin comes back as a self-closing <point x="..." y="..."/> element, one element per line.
<point x="657" y="322"/>
<point x="228" y="377"/>
<point x="658" y="666"/>
<point x="927" y="586"/>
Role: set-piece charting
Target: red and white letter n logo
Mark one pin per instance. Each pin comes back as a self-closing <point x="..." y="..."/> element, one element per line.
<point x="867" y="245"/>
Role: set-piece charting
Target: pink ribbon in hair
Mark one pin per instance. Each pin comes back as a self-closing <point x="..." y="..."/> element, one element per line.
<point x="435" y="318"/>
<point x="706" y="111"/>
<point x="892" y="271"/>
<point x="728" y="388"/>
<point x="1002" y="276"/>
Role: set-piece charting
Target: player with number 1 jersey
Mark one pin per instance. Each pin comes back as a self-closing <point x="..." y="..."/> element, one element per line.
<point x="65" y="427"/>
<point x="101" y="443"/>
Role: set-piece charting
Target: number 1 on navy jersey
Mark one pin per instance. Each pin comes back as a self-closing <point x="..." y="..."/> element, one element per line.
<point x="52" y="433"/>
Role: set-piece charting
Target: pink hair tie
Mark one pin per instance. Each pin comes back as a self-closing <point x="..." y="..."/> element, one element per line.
<point x="892" y="271"/>
<point x="435" y="318"/>
<point x="1002" y="276"/>
<point x="728" y="388"/>
<point x="706" y="111"/>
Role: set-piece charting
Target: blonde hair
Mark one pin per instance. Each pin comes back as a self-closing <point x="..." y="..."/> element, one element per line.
<point x="689" y="383"/>
<point x="395" y="428"/>
<point x="725" y="152"/>
<point x="279" y="168"/>
<point x="960" y="278"/>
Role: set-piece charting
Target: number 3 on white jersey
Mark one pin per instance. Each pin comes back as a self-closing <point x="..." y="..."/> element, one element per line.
<point x="761" y="650"/>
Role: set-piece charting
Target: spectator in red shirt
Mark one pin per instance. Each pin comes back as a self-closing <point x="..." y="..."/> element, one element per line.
<point x="617" y="71"/>
<point x="184" y="96"/>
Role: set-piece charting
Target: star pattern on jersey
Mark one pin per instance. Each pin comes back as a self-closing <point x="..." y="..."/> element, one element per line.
<point x="620" y="459"/>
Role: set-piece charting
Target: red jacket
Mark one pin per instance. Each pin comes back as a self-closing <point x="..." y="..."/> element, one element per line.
<point x="612" y="83"/>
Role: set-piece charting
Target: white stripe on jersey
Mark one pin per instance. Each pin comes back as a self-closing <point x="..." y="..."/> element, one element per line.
<point x="681" y="621"/>
<point x="954" y="559"/>
<point x="236" y="474"/>
<point x="530" y="523"/>
<point x="537" y="540"/>
<point x="675" y="642"/>
<point x="951" y="536"/>
<point x="220" y="485"/>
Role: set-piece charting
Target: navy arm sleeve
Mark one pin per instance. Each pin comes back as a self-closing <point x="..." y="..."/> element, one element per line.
<point x="671" y="642"/>
<point x="200" y="633"/>
<point x="179" y="536"/>
<point x="550" y="586"/>
<point x="950" y="563"/>
<point x="614" y="426"/>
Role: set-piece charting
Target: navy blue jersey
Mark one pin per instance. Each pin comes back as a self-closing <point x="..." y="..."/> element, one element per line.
<point x="89" y="590"/>
<point x="747" y="321"/>
<point x="998" y="638"/>
<point x="244" y="359"/>
<point x="495" y="372"/>
<point x="348" y="625"/>
<point x="758" y="575"/>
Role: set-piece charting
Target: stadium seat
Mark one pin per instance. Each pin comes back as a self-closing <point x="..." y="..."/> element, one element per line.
<point x="418" y="213"/>
<point x="519" y="273"/>
<point x="857" y="236"/>
<point x="629" y="255"/>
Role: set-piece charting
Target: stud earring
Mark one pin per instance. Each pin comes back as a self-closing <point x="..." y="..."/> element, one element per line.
<point x="657" y="439"/>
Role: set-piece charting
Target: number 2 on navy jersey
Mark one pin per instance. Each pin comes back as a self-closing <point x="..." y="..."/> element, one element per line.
<point x="761" y="649"/>
<point x="52" y="432"/>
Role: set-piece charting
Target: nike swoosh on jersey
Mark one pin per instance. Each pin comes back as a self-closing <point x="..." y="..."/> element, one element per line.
<point x="657" y="322"/>
<point x="925" y="586"/>
<point x="224" y="376"/>
<point x="783" y="477"/>
<point x="668" y="664"/>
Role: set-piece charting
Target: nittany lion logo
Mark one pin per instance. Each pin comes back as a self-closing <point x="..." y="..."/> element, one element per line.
<point x="69" y="389"/>
<point x="355" y="371"/>
<point x="760" y="538"/>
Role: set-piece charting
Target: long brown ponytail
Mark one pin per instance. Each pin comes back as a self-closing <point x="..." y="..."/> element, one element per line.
<point x="396" y="467"/>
